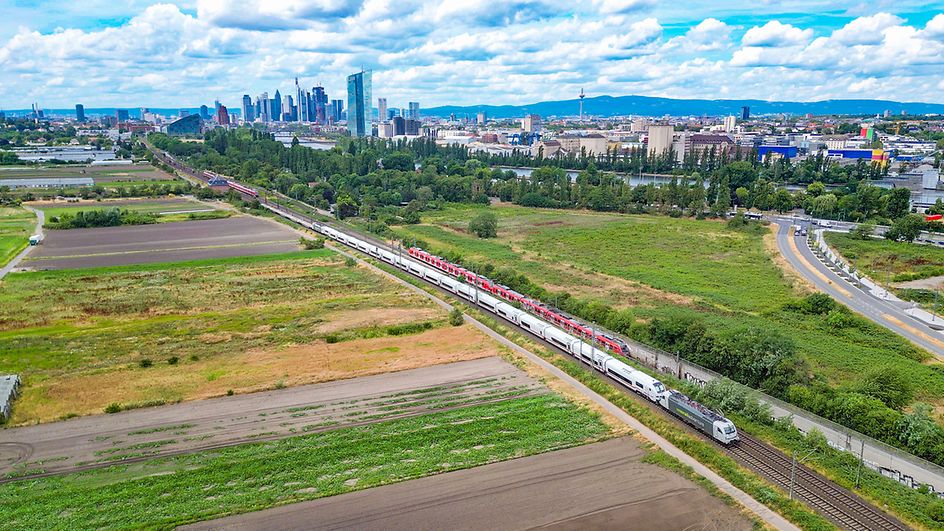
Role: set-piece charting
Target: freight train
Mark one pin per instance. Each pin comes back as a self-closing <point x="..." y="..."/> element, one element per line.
<point x="566" y="333"/>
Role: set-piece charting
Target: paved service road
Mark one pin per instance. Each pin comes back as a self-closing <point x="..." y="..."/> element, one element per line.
<point x="885" y="313"/>
<point x="40" y="220"/>
<point x="599" y="486"/>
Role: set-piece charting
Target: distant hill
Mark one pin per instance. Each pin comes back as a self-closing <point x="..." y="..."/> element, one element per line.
<point x="647" y="106"/>
<point x="133" y="112"/>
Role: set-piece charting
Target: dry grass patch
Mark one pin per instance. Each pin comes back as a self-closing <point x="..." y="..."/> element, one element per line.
<point x="801" y="286"/>
<point x="249" y="371"/>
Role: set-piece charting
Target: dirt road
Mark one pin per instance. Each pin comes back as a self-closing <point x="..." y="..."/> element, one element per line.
<point x="599" y="486"/>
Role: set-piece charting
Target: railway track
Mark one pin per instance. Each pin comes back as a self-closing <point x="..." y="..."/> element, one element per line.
<point x="841" y="506"/>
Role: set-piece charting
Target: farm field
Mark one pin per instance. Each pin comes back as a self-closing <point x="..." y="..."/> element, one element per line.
<point x="173" y="209"/>
<point x="80" y="338"/>
<point x="102" y="440"/>
<point x="522" y="493"/>
<point x="163" y="242"/>
<point x="664" y="267"/>
<point x="168" y="491"/>
<point x="16" y="226"/>
<point x="108" y="176"/>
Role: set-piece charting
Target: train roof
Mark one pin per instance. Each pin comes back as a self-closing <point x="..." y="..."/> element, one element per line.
<point x="709" y="413"/>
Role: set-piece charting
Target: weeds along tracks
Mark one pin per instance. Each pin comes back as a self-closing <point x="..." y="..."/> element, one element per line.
<point x="844" y="508"/>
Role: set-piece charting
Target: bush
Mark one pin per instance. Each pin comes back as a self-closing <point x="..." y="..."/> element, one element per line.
<point x="229" y="392"/>
<point x="172" y="360"/>
<point x="145" y="363"/>
<point x="455" y="317"/>
<point x="311" y="244"/>
<point x="485" y="225"/>
<point x="114" y="407"/>
<point x="194" y="357"/>
<point x="350" y="262"/>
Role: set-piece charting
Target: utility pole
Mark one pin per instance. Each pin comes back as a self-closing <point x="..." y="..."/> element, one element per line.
<point x="861" y="458"/>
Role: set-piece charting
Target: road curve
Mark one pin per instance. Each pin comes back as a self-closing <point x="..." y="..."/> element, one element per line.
<point x="879" y="311"/>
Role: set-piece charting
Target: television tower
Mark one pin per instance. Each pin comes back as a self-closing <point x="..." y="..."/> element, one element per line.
<point x="582" y="95"/>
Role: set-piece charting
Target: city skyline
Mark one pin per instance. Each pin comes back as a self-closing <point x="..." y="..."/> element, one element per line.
<point x="165" y="55"/>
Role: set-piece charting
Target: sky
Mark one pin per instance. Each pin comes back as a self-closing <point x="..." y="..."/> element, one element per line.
<point x="138" y="53"/>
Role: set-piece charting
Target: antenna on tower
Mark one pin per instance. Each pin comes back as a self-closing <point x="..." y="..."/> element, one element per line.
<point x="582" y="95"/>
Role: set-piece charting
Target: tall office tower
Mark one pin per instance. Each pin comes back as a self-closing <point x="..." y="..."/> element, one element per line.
<point x="300" y="114"/>
<point x="204" y="112"/>
<point x="730" y="123"/>
<point x="320" y="102"/>
<point x="338" y="108"/>
<point x="222" y="115"/>
<point x="414" y="111"/>
<point x="359" y="103"/>
<point x="79" y="113"/>
<point x="276" y="107"/>
<point x="481" y="118"/>
<point x="391" y="113"/>
<point x="216" y="106"/>
<point x="381" y="109"/>
<point x="745" y="113"/>
<point x="288" y="109"/>
<point x="247" y="109"/>
<point x="121" y="115"/>
<point x="265" y="107"/>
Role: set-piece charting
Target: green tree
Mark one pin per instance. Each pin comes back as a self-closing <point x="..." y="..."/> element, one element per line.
<point x="906" y="228"/>
<point x="485" y="225"/>
<point x="888" y="385"/>
<point x="916" y="426"/>
<point x="815" y="189"/>
<point x="863" y="231"/>
<point x="899" y="203"/>
<point x="825" y="205"/>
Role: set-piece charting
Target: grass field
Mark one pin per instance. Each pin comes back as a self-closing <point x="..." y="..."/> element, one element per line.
<point x="884" y="260"/>
<point x="172" y="491"/>
<point x="78" y="337"/>
<point x="16" y="226"/>
<point x="661" y="266"/>
<point x="167" y="210"/>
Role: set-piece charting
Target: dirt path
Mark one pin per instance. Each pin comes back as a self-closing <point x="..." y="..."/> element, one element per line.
<point x="599" y="486"/>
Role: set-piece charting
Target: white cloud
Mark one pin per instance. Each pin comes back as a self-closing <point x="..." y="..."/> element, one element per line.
<point x="866" y="30"/>
<point x="266" y="15"/>
<point x="775" y="34"/>
<point x="622" y="6"/>
<point x="935" y="27"/>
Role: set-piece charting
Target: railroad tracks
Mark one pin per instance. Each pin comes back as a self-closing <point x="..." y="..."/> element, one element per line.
<point x="842" y="507"/>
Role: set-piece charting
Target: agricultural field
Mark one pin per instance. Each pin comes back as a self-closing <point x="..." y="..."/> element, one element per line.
<point x="166" y="210"/>
<point x="106" y="176"/>
<point x="161" y="242"/>
<point x="165" y="492"/>
<point x="658" y="267"/>
<point x="16" y="226"/>
<point x="161" y="333"/>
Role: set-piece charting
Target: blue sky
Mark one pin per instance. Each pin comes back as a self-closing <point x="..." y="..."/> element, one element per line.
<point x="139" y="53"/>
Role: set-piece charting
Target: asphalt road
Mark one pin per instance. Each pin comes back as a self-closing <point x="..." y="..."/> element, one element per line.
<point x="40" y="220"/>
<point x="883" y="312"/>
<point x="599" y="486"/>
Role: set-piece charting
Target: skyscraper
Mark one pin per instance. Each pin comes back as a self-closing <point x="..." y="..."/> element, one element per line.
<point x="381" y="109"/>
<point x="222" y="115"/>
<point x="247" y="109"/>
<point x="730" y="123"/>
<point x="204" y="112"/>
<point x="79" y="113"/>
<point x="414" y="111"/>
<point x="121" y="115"/>
<point x="320" y="101"/>
<point x="359" y="103"/>
<point x="287" y="108"/>
<point x="482" y="118"/>
<point x="745" y="113"/>
<point x="337" y="108"/>
<point x="264" y="107"/>
<point x="276" y="107"/>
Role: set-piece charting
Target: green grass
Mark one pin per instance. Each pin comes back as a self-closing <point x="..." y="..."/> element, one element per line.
<point x="16" y="226"/>
<point x="700" y="269"/>
<point x="884" y="260"/>
<point x="172" y="491"/>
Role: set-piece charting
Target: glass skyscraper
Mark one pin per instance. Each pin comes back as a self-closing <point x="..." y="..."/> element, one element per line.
<point x="358" y="103"/>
